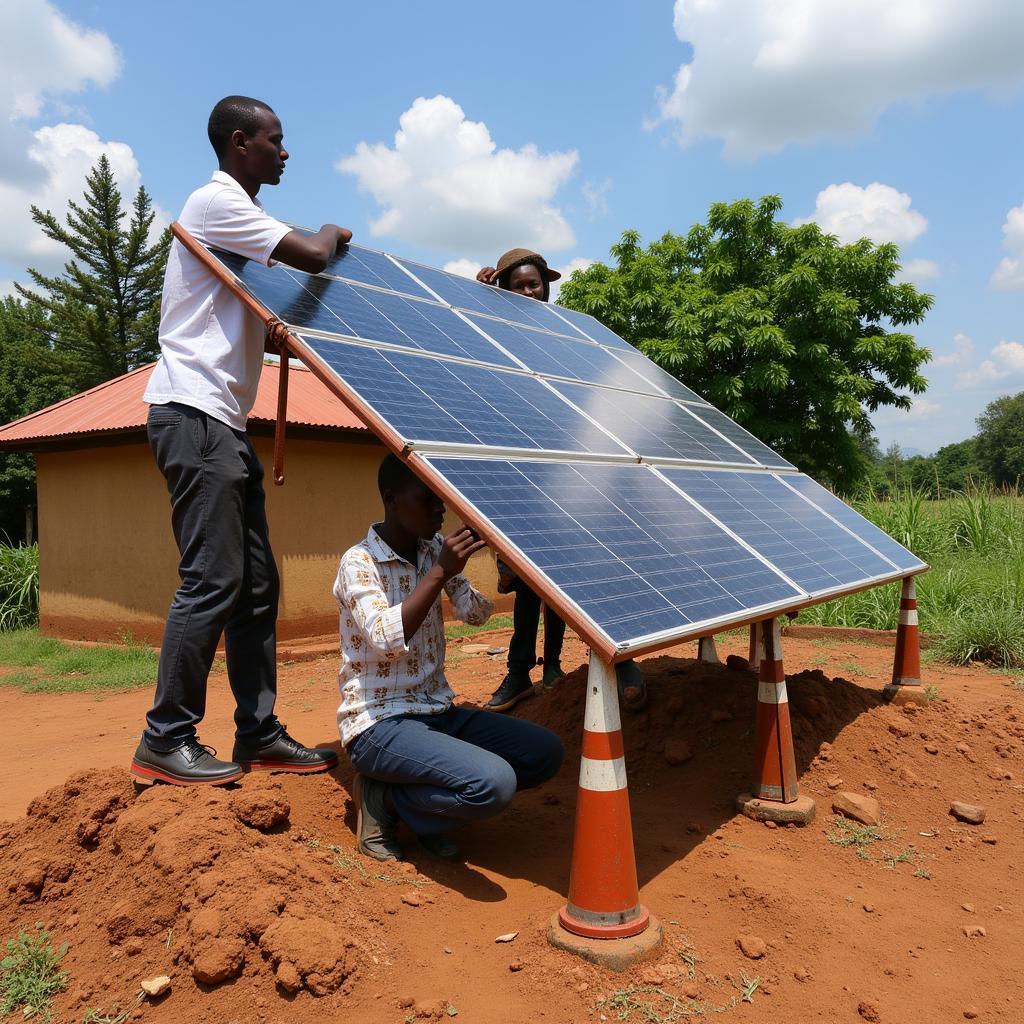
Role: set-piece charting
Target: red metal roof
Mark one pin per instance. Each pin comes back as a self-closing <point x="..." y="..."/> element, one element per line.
<point x="117" y="406"/>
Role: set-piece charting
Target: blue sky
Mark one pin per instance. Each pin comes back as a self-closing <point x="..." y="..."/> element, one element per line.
<point x="559" y="128"/>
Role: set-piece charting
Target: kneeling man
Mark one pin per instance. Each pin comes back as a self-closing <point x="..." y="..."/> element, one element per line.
<point x="418" y="758"/>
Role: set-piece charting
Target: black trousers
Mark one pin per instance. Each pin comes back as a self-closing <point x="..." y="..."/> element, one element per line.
<point x="522" y="649"/>
<point x="229" y="581"/>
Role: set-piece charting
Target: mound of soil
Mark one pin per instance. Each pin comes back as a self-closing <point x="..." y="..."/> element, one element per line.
<point x="211" y="885"/>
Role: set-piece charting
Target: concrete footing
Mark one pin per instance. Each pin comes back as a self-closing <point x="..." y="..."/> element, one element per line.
<point x="612" y="954"/>
<point x="798" y="812"/>
<point x="905" y="693"/>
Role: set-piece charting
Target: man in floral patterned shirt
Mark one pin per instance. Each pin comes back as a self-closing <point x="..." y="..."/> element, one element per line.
<point x="418" y="758"/>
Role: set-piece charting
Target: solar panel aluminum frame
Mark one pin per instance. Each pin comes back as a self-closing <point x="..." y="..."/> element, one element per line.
<point x="284" y="341"/>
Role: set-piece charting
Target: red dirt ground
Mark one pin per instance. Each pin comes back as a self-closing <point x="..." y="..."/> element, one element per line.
<point x="259" y="884"/>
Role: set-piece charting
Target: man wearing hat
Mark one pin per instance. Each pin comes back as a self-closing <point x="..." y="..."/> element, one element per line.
<point x="527" y="272"/>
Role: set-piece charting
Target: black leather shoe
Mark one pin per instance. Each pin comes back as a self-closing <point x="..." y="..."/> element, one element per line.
<point x="552" y="673"/>
<point x="191" y="764"/>
<point x="283" y="754"/>
<point x="439" y="845"/>
<point x="376" y="825"/>
<point x="632" y="685"/>
<point x="516" y="686"/>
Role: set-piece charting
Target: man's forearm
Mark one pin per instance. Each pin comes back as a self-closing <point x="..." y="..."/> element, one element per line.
<point x="417" y="605"/>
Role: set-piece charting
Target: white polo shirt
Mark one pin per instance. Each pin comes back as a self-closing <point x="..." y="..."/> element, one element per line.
<point x="211" y="346"/>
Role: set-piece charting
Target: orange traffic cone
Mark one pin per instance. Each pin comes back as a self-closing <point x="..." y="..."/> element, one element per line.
<point x="604" y="900"/>
<point x="906" y="667"/>
<point x="707" y="651"/>
<point x="775" y="762"/>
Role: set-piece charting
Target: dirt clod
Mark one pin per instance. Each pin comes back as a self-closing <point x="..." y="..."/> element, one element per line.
<point x="677" y="751"/>
<point x="869" y="1012"/>
<point x="753" y="947"/>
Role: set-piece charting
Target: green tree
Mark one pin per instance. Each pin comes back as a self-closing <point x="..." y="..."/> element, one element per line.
<point x="957" y="467"/>
<point x="102" y="313"/>
<point x="792" y="334"/>
<point x="1000" y="442"/>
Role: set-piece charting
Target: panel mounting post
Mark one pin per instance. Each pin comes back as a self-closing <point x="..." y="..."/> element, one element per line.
<point x="776" y="795"/>
<point x="603" y="920"/>
<point x="906" y="687"/>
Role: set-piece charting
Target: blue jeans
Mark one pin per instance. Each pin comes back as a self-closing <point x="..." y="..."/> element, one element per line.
<point x="461" y="765"/>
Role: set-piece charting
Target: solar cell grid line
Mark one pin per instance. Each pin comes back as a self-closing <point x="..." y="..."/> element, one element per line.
<point x="556" y="356"/>
<point x="853" y="521"/>
<point x="592" y="328"/>
<point x="653" y="427"/>
<point x="808" y="546"/>
<point x="646" y="367"/>
<point x="730" y="429"/>
<point x="429" y="400"/>
<point x="614" y="539"/>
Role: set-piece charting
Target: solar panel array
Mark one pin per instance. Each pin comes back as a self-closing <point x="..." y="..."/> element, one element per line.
<point x="653" y="513"/>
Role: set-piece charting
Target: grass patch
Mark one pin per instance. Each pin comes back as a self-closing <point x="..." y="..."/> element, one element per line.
<point x="114" y="1016"/>
<point x="30" y="974"/>
<point x="56" y="667"/>
<point x="19" y="586"/>
<point x="456" y="629"/>
<point x="851" y="833"/>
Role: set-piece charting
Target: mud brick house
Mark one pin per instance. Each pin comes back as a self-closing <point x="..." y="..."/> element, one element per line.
<point x="107" y="560"/>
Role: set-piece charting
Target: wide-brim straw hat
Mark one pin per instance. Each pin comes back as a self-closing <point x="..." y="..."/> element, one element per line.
<point x="518" y="257"/>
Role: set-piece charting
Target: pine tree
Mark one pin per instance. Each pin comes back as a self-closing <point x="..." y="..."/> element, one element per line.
<point x="102" y="312"/>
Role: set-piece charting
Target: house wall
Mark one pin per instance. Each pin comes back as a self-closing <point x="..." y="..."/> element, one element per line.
<point x="108" y="564"/>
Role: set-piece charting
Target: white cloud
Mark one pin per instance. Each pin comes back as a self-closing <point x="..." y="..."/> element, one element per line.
<point x="44" y="56"/>
<point x="962" y="354"/>
<point x="63" y="154"/>
<point x="922" y="409"/>
<point x="579" y="263"/>
<point x="1004" y="365"/>
<point x="919" y="271"/>
<point x="768" y="74"/>
<point x="463" y="267"/>
<point x="595" y="195"/>
<point x="445" y="184"/>
<point x="1009" y="275"/>
<point x="875" y="211"/>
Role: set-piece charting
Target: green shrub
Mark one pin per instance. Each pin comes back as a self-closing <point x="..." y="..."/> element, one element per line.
<point x="19" y="586"/>
<point x="30" y="974"/>
<point x="989" y="633"/>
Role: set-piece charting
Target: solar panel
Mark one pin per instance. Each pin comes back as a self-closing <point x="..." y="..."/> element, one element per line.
<point x="856" y="523"/>
<point x="643" y="512"/>
<point x="811" y="548"/>
<point x="653" y="427"/>
<point x="633" y="554"/>
<point x="431" y="400"/>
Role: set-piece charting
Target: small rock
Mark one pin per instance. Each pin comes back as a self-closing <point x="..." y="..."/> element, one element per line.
<point x="677" y="751"/>
<point x="753" y="947"/>
<point x="653" y="976"/>
<point x="691" y="991"/>
<point x="288" y="977"/>
<point x="156" y="986"/>
<point x="507" y="937"/>
<point x="871" y="786"/>
<point x="492" y="651"/>
<point x="869" y="1012"/>
<point x="869" y="908"/>
<point x="515" y="966"/>
<point x="974" y="931"/>
<point x="412" y="899"/>
<point x="720" y="715"/>
<point x="973" y="814"/>
<point x="133" y="946"/>
<point x="835" y="783"/>
<point x="770" y="824"/>
<point x="989" y="840"/>
<point x="970" y="1012"/>
<point x="864" y="809"/>
<point x="969" y="907"/>
<point x="965" y="749"/>
<point x="473" y="648"/>
<point x="930" y="748"/>
<point x="448" y="950"/>
<point x="802" y="975"/>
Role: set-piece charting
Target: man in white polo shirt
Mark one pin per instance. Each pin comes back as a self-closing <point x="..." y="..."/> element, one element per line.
<point x="200" y="395"/>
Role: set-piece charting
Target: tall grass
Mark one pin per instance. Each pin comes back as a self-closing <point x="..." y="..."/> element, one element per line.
<point x="972" y="599"/>
<point x="19" y="586"/>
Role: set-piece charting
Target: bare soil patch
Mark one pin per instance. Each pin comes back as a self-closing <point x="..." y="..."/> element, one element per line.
<point x="253" y="901"/>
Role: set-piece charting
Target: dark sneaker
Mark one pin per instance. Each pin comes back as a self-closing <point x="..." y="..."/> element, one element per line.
<point x="516" y="686"/>
<point x="552" y="673"/>
<point x="283" y="754"/>
<point x="191" y="764"/>
<point x="439" y="845"/>
<point x="376" y="826"/>
<point x="632" y="685"/>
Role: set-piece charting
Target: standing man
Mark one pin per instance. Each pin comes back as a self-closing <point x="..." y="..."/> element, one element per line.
<point x="200" y="395"/>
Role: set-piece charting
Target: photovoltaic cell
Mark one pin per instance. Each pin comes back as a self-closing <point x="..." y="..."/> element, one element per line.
<point x="654" y="373"/>
<point x="630" y="551"/>
<point x="592" y="328"/>
<point x="757" y="450"/>
<point x="431" y="400"/>
<point x="808" y="546"/>
<point x="852" y="520"/>
<point x="652" y="427"/>
<point x="556" y="356"/>
<point x="367" y="266"/>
